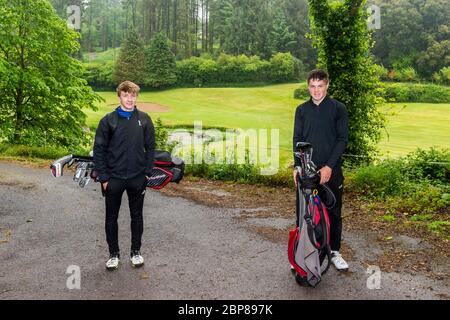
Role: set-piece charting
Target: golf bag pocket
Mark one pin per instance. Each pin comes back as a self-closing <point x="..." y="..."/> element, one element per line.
<point x="166" y="168"/>
<point x="159" y="178"/>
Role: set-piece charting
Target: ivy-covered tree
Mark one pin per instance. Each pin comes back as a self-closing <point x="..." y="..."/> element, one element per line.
<point x="340" y="34"/>
<point x="43" y="94"/>
<point x="160" y="61"/>
<point x="131" y="61"/>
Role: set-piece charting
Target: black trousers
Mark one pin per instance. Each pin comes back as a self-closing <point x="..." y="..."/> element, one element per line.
<point x="113" y="198"/>
<point x="336" y="184"/>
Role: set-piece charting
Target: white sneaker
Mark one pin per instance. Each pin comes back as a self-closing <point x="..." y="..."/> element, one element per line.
<point x="136" y="259"/>
<point x="338" y="261"/>
<point x="113" y="262"/>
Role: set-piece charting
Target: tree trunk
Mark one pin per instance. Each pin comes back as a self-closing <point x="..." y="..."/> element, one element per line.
<point x="19" y="97"/>
<point x="174" y="26"/>
<point x="168" y="19"/>
<point x="89" y="44"/>
<point x="133" y="13"/>
<point x="195" y="17"/>
<point x="206" y="24"/>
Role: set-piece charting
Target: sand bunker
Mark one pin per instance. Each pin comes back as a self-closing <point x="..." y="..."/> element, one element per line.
<point x="151" y="107"/>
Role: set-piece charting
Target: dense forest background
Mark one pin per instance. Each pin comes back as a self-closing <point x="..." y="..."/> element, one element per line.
<point x="414" y="35"/>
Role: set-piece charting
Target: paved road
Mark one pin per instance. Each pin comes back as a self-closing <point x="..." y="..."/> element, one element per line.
<point x="192" y="251"/>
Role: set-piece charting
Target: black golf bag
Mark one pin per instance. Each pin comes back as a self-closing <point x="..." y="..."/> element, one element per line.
<point x="166" y="168"/>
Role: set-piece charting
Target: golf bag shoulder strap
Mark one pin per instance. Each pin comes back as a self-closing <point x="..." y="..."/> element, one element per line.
<point x="310" y="224"/>
<point x="112" y="119"/>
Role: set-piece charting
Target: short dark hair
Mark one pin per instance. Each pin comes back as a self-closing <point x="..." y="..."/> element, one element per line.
<point x="318" y="74"/>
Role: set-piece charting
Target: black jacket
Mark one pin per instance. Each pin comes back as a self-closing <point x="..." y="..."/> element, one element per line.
<point x="124" y="148"/>
<point x="324" y="126"/>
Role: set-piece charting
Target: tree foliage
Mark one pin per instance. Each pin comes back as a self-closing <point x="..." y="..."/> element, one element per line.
<point x="414" y="33"/>
<point x="43" y="94"/>
<point x="339" y="32"/>
<point x="160" y="61"/>
<point x="131" y="61"/>
<point x="283" y="38"/>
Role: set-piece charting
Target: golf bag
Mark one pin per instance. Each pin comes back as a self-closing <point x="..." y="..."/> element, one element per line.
<point x="166" y="168"/>
<point x="308" y="247"/>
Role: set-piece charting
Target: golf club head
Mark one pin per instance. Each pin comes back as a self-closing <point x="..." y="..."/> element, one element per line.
<point x="57" y="167"/>
<point x="303" y="146"/>
<point x="84" y="181"/>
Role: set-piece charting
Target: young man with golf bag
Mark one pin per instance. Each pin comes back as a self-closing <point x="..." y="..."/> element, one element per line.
<point x="124" y="149"/>
<point x="323" y="122"/>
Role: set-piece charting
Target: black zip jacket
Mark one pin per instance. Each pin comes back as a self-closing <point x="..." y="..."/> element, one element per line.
<point x="324" y="126"/>
<point x="126" y="149"/>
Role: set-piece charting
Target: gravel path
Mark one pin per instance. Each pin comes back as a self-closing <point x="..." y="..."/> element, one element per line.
<point x="191" y="251"/>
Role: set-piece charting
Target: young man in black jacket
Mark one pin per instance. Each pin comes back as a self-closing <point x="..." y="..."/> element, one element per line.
<point x="124" y="149"/>
<point x="323" y="122"/>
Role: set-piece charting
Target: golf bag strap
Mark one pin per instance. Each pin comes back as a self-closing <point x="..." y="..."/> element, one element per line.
<point x="324" y="226"/>
<point x="329" y="193"/>
<point x="309" y="218"/>
<point x="297" y="203"/>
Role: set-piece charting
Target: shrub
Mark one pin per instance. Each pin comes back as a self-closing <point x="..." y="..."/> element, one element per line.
<point x="238" y="69"/>
<point x="440" y="227"/>
<point x="37" y="152"/>
<point x="417" y="183"/>
<point x="432" y="165"/>
<point x="233" y="68"/>
<point x="381" y="72"/>
<point x="162" y="137"/>
<point x="380" y="180"/>
<point x="197" y="70"/>
<point x="282" y="68"/>
<point x="302" y="92"/>
<point x="407" y="74"/>
<point x="300" y="72"/>
<point x="99" y="74"/>
<point x="420" y="198"/>
<point x="408" y="92"/>
<point x="187" y="70"/>
<point x="207" y="70"/>
<point x="442" y="76"/>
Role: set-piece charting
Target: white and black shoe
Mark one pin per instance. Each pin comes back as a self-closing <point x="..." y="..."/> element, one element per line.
<point x="338" y="261"/>
<point x="113" y="262"/>
<point x="136" y="259"/>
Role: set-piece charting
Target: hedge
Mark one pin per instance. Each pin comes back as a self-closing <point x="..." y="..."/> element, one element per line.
<point x="400" y="92"/>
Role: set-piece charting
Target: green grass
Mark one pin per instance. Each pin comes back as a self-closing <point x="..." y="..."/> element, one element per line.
<point x="270" y="107"/>
<point x="273" y="107"/>
<point x="412" y="125"/>
<point x="104" y="56"/>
